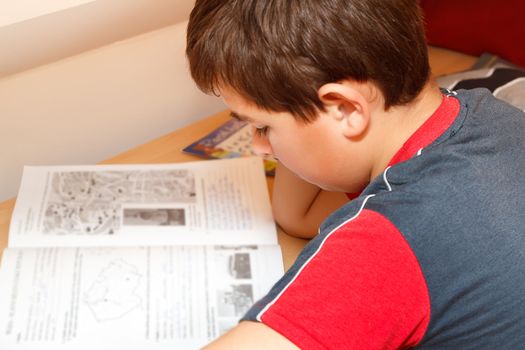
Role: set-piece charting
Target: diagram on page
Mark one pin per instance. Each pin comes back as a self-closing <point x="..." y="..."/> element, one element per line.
<point x="115" y="292"/>
<point x="90" y="203"/>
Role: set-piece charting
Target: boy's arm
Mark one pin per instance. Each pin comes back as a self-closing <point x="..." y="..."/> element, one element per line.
<point x="299" y="207"/>
<point x="253" y="336"/>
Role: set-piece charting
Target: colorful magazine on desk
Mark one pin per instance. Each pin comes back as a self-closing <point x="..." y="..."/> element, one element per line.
<point x="230" y="140"/>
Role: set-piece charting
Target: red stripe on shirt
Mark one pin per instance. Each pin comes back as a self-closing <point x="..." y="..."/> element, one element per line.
<point x="431" y="129"/>
<point x="364" y="289"/>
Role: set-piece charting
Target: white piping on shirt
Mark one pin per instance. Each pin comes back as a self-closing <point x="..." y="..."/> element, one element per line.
<point x="259" y="316"/>
<point x="386" y="180"/>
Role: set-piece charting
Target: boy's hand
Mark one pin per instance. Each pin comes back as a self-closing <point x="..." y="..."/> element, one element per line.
<point x="298" y="206"/>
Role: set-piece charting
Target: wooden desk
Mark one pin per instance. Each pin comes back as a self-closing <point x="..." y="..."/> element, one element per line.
<point x="443" y="61"/>
<point x="167" y="149"/>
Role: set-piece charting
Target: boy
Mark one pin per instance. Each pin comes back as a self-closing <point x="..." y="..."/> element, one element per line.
<point x="430" y="250"/>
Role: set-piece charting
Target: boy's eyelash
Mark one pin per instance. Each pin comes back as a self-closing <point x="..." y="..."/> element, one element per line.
<point x="262" y="131"/>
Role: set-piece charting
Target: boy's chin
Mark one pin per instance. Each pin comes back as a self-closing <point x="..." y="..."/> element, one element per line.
<point x="338" y="188"/>
<point x="330" y="188"/>
<point x="324" y="186"/>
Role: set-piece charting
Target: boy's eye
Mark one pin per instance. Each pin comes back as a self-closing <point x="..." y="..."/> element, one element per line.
<point x="261" y="131"/>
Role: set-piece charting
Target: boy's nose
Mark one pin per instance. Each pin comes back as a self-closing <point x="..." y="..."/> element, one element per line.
<point x="261" y="145"/>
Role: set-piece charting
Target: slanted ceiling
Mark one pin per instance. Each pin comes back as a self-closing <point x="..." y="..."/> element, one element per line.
<point x="35" y="36"/>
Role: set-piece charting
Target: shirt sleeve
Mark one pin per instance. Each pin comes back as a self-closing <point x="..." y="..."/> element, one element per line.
<point x="360" y="287"/>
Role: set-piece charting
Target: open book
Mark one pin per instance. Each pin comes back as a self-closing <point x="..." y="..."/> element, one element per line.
<point x="136" y="256"/>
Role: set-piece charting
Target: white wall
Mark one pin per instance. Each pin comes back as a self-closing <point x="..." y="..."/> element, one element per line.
<point x="89" y="107"/>
<point x="36" y="32"/>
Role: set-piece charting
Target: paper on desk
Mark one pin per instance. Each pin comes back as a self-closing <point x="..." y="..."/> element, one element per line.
<point x="212" y="202"/>
<point x="129" y="298"/>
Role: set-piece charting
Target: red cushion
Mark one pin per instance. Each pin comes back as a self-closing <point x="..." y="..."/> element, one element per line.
<point x="478" y="26"/>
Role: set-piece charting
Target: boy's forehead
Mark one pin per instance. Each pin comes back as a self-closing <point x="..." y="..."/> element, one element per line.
<point x="232" y="97"/>
<point x="237" y="104"/>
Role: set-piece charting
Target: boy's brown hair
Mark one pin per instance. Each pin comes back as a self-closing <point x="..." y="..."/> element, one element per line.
<point x="278" y="53"/>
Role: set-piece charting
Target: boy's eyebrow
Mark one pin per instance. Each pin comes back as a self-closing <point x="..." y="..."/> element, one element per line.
<point x="240" y="117"/>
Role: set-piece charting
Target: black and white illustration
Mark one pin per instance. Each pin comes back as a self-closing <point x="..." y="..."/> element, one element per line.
<point x="154" y="217"/>
<point x="239" y="266"/>
<point x="114" y="293"/>
<point x="234" y="300"/>
<point x="90" y="203"/>
<point x="234" y="263"/>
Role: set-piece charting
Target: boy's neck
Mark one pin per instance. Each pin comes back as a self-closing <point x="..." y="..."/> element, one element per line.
<point x="397" y="125"/>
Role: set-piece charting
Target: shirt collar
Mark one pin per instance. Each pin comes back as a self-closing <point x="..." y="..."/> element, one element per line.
<point x="431" y="129"/>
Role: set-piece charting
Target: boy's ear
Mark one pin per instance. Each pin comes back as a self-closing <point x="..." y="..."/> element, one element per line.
<point x="348" y="105"/>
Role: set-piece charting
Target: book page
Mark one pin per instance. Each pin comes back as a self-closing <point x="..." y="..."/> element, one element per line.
<point x="178" y="297"/>
<point x="206" y="202"/>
